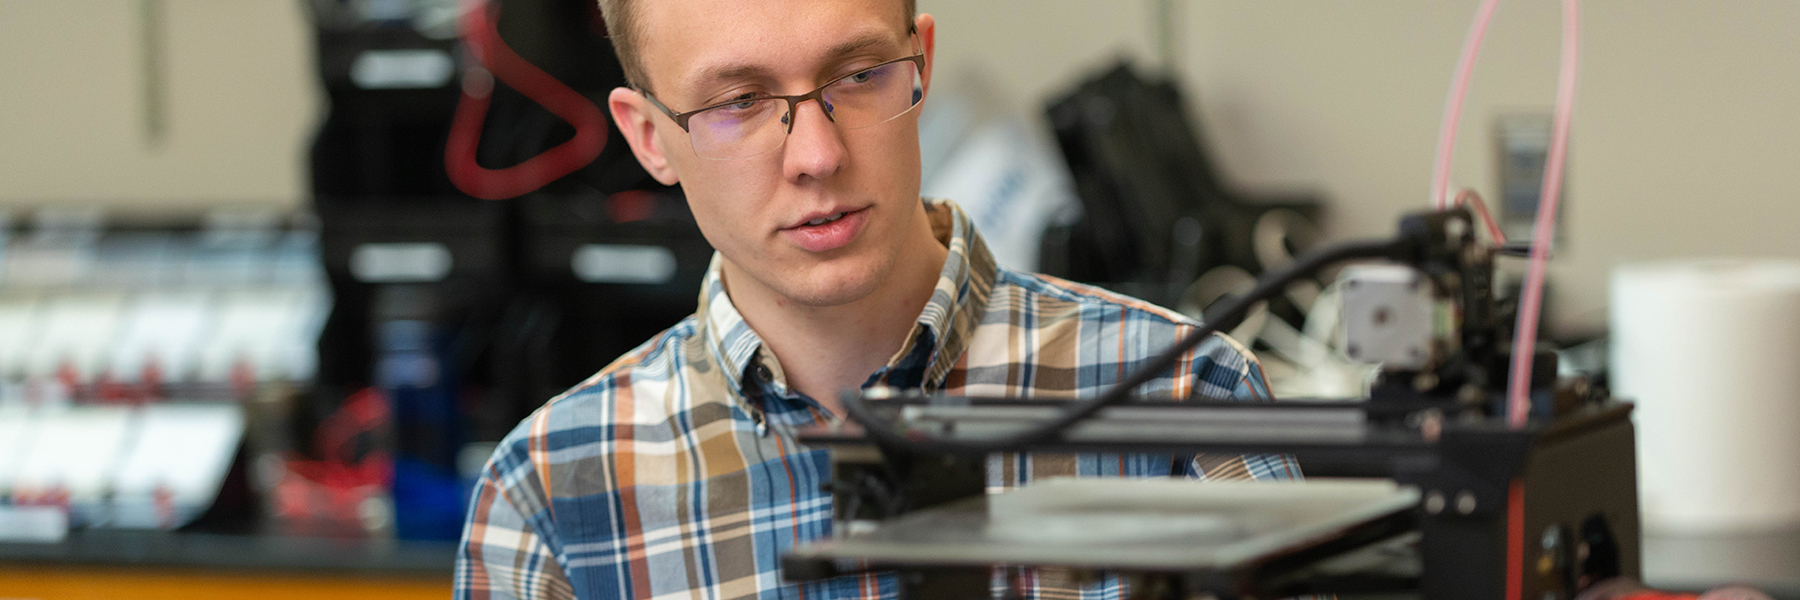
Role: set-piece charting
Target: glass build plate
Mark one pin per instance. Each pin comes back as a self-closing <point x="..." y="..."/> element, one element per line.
<point x="1141" y="525"/>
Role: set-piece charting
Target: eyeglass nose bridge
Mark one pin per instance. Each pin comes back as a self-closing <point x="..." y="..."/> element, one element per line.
<point x="793" y="107"/>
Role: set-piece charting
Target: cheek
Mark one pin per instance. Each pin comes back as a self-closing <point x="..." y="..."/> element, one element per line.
<point x="725" y="197"/>
<point x="714" y="226"/>
<point x="893" y="155"/>
<point x="729" y="187"/>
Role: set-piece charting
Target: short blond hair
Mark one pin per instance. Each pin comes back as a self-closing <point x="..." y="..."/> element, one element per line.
<point x="622" y="27"/>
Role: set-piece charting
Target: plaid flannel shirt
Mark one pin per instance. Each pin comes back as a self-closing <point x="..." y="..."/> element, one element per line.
<point x="674" y="473"/>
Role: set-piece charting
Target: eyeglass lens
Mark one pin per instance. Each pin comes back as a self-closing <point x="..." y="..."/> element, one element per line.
<point x="759" y="125"/>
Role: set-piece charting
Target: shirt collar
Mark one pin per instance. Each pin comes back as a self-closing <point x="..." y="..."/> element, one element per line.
<point x="940" y="335"/>
<point x="963" y="286"/>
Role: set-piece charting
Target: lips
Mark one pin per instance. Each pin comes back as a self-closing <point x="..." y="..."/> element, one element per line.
<point x="827" y="231"/>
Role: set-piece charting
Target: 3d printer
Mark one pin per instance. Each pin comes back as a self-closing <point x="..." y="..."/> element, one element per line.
<point x="1460" y="504"/>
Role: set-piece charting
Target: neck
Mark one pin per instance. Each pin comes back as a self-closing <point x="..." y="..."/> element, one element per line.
<point x="827" y="349"/>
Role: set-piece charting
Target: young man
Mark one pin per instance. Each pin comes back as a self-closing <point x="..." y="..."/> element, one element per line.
<point x="792" y="126"/>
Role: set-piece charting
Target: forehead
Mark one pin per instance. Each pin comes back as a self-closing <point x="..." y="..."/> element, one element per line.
<point x="683" y="40"/>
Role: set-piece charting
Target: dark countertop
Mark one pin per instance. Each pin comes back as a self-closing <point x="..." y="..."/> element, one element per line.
<point x="1769" y="561"/>
<point x="334" y="556"/>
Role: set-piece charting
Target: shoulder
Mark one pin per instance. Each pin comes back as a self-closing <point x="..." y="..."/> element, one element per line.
<point x="578" y="422"/>
<point x="659" y="359"/>
<point x="653" y="364"/>
<point x="1050" y="301"/>
<point x="1106" y="331"/>
<point x="1076" y="296"/>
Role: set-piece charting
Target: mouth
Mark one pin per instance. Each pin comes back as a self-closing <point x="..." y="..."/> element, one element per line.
<point x="826" y="219"/>
<point x="823" y="217"/>
<point x="826" y="231"/>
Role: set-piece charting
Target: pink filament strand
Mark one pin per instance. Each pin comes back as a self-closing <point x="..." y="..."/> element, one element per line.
<point x="1459" y="88"/>
<point x="1530" y="300"/>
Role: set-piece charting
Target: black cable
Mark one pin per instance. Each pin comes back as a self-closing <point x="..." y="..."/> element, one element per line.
<point x="885" y="432"/>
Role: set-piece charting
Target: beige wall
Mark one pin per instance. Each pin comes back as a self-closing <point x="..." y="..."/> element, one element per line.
<point x="1687" y="128"/>
<point x="239" y="104"/>
<point x="1682" y="146"/>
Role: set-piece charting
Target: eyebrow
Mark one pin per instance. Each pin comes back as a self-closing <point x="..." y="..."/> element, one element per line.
<point x="728" y="72"/>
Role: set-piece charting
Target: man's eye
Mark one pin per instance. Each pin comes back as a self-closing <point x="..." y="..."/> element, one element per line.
<point x="742" y="106"/>
<point x="743" y="101"/>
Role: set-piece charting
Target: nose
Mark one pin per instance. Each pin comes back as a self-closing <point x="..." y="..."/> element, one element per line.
<point x="814" y="148"/>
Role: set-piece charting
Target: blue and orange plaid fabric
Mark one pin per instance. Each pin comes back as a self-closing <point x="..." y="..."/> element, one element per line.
<point x="674" y="473"/>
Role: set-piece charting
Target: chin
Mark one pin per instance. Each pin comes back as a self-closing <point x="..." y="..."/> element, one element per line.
<point x="837" y="282"/>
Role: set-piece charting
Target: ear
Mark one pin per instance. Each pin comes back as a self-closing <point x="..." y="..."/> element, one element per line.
<point x="637" y="121"/>
<point x="927" y="28"/>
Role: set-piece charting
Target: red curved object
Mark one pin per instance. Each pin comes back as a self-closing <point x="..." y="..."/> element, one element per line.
<point x="1469" y="197"/>
<point x="482" y="38"/>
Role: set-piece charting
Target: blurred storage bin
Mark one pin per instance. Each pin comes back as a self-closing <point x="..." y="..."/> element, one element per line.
<point x="162" y="337"/>
<point x="76" y="331"/>
<point x="175" y="464"/>
<point x="72" y="458"/>
<point x="235" y="300"/>
<point x="155" y="466"/>
<point x="16" y="436"/>
<point x="263" y="334"/>
<point x="18" y="321"/>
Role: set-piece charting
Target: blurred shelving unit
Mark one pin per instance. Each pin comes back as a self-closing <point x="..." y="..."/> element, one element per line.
<point x="143" y="369"/>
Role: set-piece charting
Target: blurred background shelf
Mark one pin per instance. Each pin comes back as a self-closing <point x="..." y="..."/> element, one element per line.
<point x="337" y="557"/>
<point x="193" y="566"/>
<point x="80" y="583"/>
